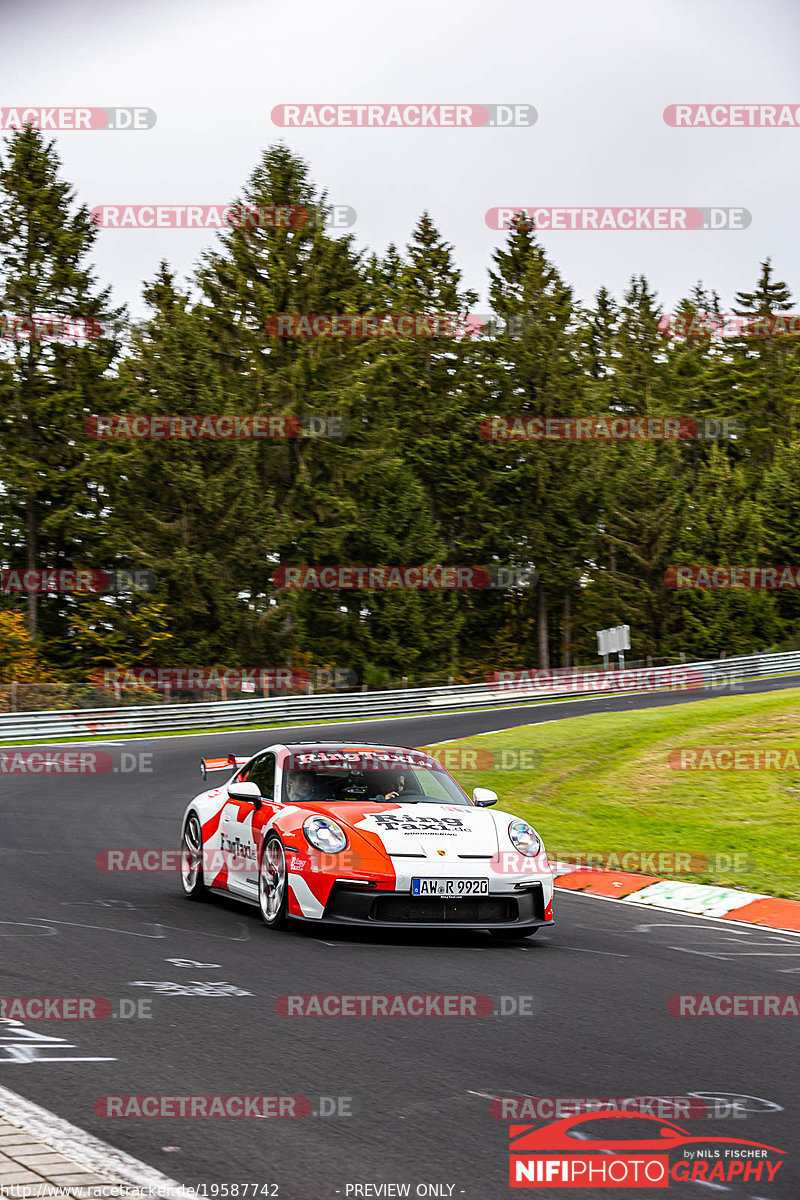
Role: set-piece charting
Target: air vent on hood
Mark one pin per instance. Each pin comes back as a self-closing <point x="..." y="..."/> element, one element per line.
<point x="393" y="855"/>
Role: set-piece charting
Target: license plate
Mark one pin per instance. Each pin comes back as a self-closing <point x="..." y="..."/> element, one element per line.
<point x="449" y="887"/>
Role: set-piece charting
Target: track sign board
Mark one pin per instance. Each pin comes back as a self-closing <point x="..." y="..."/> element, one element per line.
<point x="612" y="641"/>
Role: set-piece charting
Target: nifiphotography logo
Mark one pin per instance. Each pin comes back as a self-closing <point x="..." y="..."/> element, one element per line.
<point x="631" y="1150"/>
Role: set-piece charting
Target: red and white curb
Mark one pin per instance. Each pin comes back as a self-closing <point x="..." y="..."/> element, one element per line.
<point x="701" y="899"/>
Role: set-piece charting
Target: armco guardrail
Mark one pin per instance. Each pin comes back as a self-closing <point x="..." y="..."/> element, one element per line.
<point x="19" y="727"/>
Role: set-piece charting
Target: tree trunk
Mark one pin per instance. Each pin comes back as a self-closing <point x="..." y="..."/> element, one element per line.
<point x="31" y="559"/>
<point x="541" y="623"/>
<point x="566" y="633"/>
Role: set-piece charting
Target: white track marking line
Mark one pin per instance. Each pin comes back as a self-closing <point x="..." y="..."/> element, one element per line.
<point x="585" y="950"/>
<point x="695" y="916"/>
<point x="58" y="745"/>
<point x="87" y="1150"/>
<point x="486" y="732"/>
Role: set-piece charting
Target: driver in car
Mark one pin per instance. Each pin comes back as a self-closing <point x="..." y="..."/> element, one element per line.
<point x="300" y="786"/>
<point x="399" y="787"/>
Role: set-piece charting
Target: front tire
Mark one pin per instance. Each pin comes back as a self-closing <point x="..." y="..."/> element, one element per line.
<point x="273" y="883"/>
<point x="192" y="859"/>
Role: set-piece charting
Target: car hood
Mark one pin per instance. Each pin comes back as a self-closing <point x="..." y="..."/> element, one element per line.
<point x="421" y="830"/>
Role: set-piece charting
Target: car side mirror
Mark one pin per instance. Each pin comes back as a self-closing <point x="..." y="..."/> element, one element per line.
<point x="483" y="797"/>
<point x="245" y="791"/>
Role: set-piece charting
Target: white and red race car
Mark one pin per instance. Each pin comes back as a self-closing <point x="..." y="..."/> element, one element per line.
<point x="363" y="835"/>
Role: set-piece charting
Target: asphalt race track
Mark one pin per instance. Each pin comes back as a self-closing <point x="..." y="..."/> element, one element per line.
<point x="419" y="1088"/>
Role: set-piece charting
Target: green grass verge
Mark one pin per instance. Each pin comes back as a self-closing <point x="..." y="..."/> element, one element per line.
<point x="603" y="783"/>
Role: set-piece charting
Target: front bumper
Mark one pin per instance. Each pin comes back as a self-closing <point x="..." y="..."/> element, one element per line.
<point x="350" y="904"/>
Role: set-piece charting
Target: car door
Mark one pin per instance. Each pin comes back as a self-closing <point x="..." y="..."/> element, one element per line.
<point x="241" y="842"/>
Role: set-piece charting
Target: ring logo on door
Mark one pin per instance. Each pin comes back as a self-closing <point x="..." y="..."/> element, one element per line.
<point x="624" y="1149"/>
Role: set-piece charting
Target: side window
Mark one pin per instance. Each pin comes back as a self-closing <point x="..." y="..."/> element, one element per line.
<point x="245" y="774"/>
<point x="262" y="773"/>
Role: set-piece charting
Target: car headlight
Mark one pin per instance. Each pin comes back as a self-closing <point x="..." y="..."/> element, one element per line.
<point x="524" y="838"/>
<point x="324" y="834"/>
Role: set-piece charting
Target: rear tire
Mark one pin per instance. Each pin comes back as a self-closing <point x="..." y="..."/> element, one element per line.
<point x="192" y="859"/>
<point x="273" y="883"/>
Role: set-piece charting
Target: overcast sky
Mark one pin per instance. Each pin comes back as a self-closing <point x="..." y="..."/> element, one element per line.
<point x="599" y="74"/>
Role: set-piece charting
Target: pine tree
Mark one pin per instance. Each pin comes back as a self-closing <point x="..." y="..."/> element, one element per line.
<point x="722" y="527"/>
<point x="640" y="525"/>
<point x="542" y="489"/>
<point x="424" y="405"/>
<point x="191" y="510"/>
<point x="760" y="375"/>
<point x="769" y="296"/>
<point x="779" y="501"/>
<point x="53" y="510"/>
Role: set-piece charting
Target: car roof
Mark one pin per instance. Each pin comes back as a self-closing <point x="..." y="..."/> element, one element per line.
<point x="353" y="744"/>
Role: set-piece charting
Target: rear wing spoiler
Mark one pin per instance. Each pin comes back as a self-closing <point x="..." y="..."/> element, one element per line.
<point x="221" y="764"/>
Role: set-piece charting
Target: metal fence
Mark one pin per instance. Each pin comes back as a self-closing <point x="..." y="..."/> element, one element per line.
<point x="689" y="677"/>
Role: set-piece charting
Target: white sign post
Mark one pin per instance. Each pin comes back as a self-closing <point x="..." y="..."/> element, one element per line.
<point x="614" y="641"/>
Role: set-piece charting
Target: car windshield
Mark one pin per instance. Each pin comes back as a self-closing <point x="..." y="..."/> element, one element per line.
<point x="400" y="777"/>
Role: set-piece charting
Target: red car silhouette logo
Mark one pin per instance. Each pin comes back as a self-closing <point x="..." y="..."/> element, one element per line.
<point x="559" y="1136"/>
